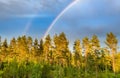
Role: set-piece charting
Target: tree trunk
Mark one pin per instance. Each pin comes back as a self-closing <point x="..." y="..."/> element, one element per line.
<point x="113" y="60"/>
<point x="86" y="64"/>
<point x="96" y="71"/>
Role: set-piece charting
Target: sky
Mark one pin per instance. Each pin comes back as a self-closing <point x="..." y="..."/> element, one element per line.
<point x="90" y="17"/>
<point x="84" y="18"/>
<point x="29" y="17"/>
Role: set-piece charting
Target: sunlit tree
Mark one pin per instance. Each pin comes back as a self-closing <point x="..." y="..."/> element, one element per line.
<point x="41" y="47"/>
<point x="77" y="53"/>
<point x="40" y="50"/>
<point x="0" y="43"/>
<point x="29" y="43"/>
<point x="111" y="42"/>
<point x="4" y="49"/>
<point x="62" y="50"/>
<point x="95" y="46"/>
<point x="86" y="47"/>
<point x="47" y="47"/>
<point x="4" y="46"/>
<point x="35" y="45"/>
<point x="12" y="45"/>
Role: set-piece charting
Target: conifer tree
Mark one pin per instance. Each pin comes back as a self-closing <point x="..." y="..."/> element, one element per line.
<point x="77" y="53"/>
<point x="86" y="47"/>
<point x="4" y="46"/>
<point x="62" y="51"/>
<point x="24" y="44"/>
<point x="47" y="47"/>
<point x="95" y="42"/>
<point x="41" y="47"/>
<point x="29" y="43"/>
<point x="0" y="43"/>
<point x="13" y="45"/>
<point x="24" y="47"/>
<point x="4" y="49"/>
<point x="36" y="47"/>
<point x="12" y="48"/>
<point x="95" y="45"/>
<point x="111" y="42"/>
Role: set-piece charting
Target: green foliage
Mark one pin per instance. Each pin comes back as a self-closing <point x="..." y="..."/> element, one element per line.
<point x="25" y="58"/>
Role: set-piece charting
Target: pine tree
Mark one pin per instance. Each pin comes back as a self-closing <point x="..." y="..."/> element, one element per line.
<point x="62" y="52"/>
<point x="36" y="47"/>
<point x="18" y="44"/>
<point x="12" y="48"/>
<point x="77" y="53"/>
<point x="0" y="43"/>
<point x="29" y="43"/>
<point x="4" y="46"/>
<point x="24" y="49"/>
<point x="47" y="47"/>
<point x="4" y="50"/>
<point x="95" y="45"/>
<point x="86" y="47"/>
<point x="95" y="42"/>
<point x="41" y="47"/>
<point x="111" y="42"/>
<point x="24" y="44"/>
<point x="13" y="45"/>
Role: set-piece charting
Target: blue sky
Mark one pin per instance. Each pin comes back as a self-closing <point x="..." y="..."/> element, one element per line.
<point x="15" y="15"/>
<point x="85" y="18"/>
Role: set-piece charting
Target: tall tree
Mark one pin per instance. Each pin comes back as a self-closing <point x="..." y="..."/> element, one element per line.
<point x="18" y="42"/>
<point x="62" y="51"/>
<point x="41" y="47"/>
<point x="4" y="46"/>
<point x="24" y="44"/>
<point x="95" y="42"/>
<point x="111" y="42"/>
<point x="24" y="47"/>
<point x="12" y="48"/>
<point x="86" y="47"/>
<point x="47" y="47"/>
<point x="13" y="45"/>
<point x="29" y="43"/>
<point x="77" y="53"/>
<point x="95" y="45"/>
<point x="36" y="47"/>
<point x="4" y="49"/>
<point x="0" y="43"/>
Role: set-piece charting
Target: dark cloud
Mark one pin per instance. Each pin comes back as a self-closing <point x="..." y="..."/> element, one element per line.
<point x="90" y="17"/>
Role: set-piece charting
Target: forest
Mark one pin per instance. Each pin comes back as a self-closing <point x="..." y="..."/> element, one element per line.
<point x="25" y="57"/>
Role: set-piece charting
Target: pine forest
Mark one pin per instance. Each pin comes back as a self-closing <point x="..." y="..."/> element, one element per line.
<point x="25" y="57"/>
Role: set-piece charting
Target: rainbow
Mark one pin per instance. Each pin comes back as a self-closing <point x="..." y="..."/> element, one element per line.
<point x="54" y="21"/>
<point x="52" y="24"/>
<point x="27" y="27"/>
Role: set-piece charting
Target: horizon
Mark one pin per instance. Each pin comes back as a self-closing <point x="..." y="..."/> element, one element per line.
<point x="59" y="38"/>
<point x="84" y="18"/>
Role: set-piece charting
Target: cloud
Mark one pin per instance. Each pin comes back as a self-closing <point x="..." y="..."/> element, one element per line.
<point x="30" y="16"/>
<point x="24" y="7"/>
<point x="90" y="17"/>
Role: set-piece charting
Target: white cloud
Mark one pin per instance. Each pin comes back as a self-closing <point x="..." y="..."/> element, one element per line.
<point x="24" y="7"/>
<point x="31" y="15"/>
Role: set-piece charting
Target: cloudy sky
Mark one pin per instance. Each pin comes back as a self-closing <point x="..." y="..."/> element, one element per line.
<point x="85" y="18"/>
<point x="89" y="17"/>
<point x="30" y="17"/>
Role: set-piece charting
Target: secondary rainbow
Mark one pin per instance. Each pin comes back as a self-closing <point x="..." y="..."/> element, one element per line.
<point x="52" y="24"/>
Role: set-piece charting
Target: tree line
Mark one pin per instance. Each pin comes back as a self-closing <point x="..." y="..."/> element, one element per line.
<point x="88" y="56"/>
